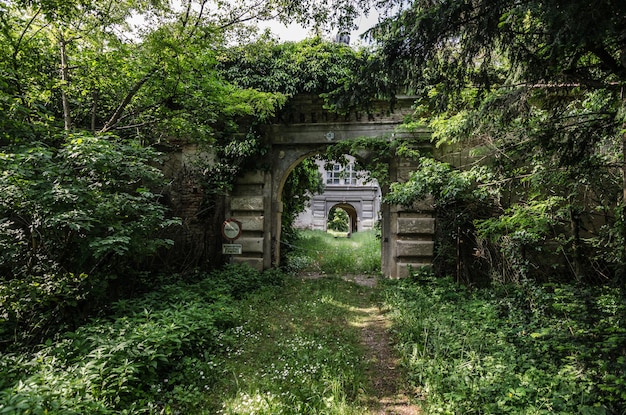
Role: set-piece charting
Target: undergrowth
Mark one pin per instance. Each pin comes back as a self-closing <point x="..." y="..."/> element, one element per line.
<point x="231" y="342"/>
<point x="297" y="353"/>
<point x="516" y="349"/>
<point x="334" y="253"/>
<point x="149" y="355"/>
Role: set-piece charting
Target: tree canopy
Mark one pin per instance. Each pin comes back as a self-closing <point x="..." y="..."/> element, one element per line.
<point x="535" y="90"/>
<point x="532" y="91"/>
<point x="86" y="96"/>
<point x="84" y="100"/>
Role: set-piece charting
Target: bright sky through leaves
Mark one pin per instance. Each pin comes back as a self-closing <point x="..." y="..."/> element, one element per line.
<point x="295" y="32"/>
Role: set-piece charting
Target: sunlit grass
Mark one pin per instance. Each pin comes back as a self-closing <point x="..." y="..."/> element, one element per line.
<point x="334" y="253"/>
<point x="296" y="353"/>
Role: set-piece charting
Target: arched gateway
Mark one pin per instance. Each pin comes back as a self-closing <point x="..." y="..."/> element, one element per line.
<point x="256" y="200"/>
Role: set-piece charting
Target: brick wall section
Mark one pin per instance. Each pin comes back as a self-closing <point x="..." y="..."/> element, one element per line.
<point x="184" y="195"/>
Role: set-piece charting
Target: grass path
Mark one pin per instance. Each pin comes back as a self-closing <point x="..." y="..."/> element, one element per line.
<point x="319" y="346"/>
<point x="387" y="395"/>
<point x="386" y="392"/>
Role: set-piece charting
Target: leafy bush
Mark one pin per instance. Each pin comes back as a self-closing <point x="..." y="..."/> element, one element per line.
<point x="164" y="345"/>
<point x="338" y="220"/>
<point x="72" y="219"/>
<point x="523" y="349"/>
<point x="459" y="201"/>
<point x="520" y="232"/>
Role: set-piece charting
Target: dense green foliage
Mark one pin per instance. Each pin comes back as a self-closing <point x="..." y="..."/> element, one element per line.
<point x="302" y="183"/>
<point x="160" y="352"/>
<point x="345" y="77"/>
<point x="338" y="220"/>
<point x="73" y="219"/>
<point x="463" y="43"/>
<point x="84" y="102"/>
<point x="232" y="342"/>
<point x="515" y="349"/>
<point x="532" y="93"/>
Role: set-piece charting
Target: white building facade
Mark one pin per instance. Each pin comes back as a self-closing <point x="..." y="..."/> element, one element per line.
<point x="345" y="188"/>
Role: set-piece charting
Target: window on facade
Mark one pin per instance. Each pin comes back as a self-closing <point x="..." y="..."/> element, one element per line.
<point x="334" y="176"/>
<point x="339" y="175"/>
<point x="349" y="174"/>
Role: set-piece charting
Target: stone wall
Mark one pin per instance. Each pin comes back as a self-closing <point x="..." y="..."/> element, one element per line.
<point x="407" y="234"/>
<point x="306" y="129"/>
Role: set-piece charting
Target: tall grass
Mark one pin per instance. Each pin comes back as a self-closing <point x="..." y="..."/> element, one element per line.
<point x="334" y="253"/>
<point x="296" y="353"/>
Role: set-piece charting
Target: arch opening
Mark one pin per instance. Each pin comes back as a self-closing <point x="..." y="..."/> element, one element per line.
<point x="344" y="189"/>
<point x="406" y="234"/>
<point x="342" y="217"/>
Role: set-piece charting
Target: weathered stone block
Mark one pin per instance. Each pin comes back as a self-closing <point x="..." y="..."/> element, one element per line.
<point x="420" y="206"/>
<point x="256" y="263"/>
<point x="415" y="248"/>
<point x="247" y="190"/>
<point x="404" y="173"/>
<point x="255" y="177"/>
<point x="251" y="223"/>
<point x="416" y="226"/>
<point x="425" y="205"/>
<point x="246" y="203"/>
<point x="251" y="245"/>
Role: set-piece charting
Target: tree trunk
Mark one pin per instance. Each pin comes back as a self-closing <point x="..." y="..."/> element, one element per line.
<point x="110" y="124"/>
<point x="574" y="218"/>
<point x="65" y="78"/>
<point x="622" y="270"/>
<point x="94" y="109"/>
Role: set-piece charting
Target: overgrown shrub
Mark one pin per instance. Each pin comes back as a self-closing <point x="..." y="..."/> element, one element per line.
<point x="459" y="201"/>
<point x="72" y="220"/>
<point x="166" y="343"/>
<point x="517" y="349"/>
<point x="338" y="220"/>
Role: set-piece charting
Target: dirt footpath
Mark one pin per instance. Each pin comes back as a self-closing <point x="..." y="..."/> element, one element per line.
<point x="386" y="395"/>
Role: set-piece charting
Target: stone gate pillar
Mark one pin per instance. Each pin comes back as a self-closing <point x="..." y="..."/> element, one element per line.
<point x="407" y="233"/>
<point x="250" y="203"/>
<point x="306" y="129"/>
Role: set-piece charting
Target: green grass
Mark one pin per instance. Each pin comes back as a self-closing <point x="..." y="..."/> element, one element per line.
<point x="335" y="254"/>
<point x="297" y="353"/>
<point x="526" y="349"/>
<point x="242" y="342"/>
<point x="231" y="342"/>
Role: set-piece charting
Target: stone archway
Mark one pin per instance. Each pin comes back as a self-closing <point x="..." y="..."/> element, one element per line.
<point x="256" y="200"/>
<point x="352" y="215"/>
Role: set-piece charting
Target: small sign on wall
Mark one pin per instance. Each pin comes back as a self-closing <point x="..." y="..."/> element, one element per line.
<point x="231" y="249"/>
<point x="231" y="229"/>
